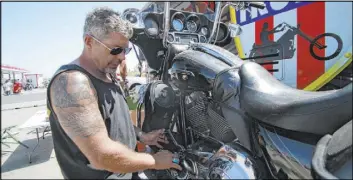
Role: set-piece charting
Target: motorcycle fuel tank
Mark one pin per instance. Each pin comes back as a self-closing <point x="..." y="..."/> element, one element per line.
<point x="195" y="70"/>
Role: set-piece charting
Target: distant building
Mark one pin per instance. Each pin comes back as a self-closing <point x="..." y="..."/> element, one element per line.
<point x="12" y="72"/>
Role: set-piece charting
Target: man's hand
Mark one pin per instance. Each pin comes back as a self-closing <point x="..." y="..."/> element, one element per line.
<point x="164" y="160"/>
<point x="153" y="137"/>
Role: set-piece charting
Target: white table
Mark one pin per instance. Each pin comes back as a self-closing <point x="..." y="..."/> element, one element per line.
<point x="6" y="133"/>
<point x="37" y="121"/>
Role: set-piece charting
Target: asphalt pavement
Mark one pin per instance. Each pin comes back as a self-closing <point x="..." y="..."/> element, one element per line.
<point x="26" y="99"/>
<point x="25" y="96"/>
<point x="14" y="157"/>
<point x="16" y="109"/>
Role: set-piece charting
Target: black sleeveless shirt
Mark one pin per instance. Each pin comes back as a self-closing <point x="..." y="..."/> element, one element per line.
<point x="115" y="113"/>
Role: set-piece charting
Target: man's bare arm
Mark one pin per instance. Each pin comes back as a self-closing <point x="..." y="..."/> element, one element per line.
<point x="74" y="101"/>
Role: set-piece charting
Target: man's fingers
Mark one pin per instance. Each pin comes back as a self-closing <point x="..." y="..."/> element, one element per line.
<point x="163" y="140"/>
<point x="158" y="131"/>
<point x="158" y="145"/>
<point x="163" y="151"/>
<point x="176" y="166"/>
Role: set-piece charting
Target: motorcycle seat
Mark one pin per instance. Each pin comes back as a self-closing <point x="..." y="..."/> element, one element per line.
<point x="268" y="100"/>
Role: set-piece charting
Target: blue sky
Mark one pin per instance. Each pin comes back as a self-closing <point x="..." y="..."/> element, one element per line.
<point x="41" y="36"/>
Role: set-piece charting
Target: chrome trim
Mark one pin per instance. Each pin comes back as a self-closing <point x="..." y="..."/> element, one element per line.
<point x="182" y="20"/>
<point x="215" y="24"/>
<point x="172" y="34"/>
<point x="193" y="18"/>
<point x="166" y="22"/>
<point x="229" y="163"/>
<point x="175" y="35"/>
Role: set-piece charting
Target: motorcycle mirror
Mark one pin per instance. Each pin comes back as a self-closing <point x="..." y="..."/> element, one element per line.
<point x="235" y="30"/>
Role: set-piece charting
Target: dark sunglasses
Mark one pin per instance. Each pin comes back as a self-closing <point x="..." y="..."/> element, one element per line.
<point x="116" y="50"/>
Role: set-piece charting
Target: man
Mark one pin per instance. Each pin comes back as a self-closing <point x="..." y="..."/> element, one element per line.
<point x="93" y="134"/>
<point x="7" y="87"/>
<point x="265" y="33"/>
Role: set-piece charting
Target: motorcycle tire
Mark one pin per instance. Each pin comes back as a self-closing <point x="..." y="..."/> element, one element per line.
<point x="335" y="54"/>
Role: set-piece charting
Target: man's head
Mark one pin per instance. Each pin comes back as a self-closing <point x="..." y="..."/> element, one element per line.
<point x="265" y="26"/>
<point x="106" y="37"/>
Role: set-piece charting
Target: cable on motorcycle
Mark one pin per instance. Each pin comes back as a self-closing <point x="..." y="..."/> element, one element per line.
<point x="138" y="57"/>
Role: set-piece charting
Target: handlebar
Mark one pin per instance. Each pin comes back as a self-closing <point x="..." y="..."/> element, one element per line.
<point x="259" y="5"/>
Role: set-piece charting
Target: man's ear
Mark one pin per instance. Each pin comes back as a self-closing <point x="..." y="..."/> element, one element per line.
<point x="88" y="41"/>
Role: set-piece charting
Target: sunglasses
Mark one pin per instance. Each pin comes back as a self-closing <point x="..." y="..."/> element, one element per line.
<point x="116" y="50"/>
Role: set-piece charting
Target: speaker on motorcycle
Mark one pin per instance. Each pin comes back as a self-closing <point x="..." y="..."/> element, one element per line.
<point x="159" y="106"/>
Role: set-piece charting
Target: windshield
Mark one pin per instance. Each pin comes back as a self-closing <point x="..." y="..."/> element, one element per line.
<point x="205" y="7"/>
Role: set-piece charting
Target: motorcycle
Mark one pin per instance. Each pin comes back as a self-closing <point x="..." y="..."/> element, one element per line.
<point x="228" y="118"/>
<point x="283" y="48"/>
<point x="28" y="86"/>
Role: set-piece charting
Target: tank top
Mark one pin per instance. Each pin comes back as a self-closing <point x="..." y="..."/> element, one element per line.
<point x="115" y="113"/>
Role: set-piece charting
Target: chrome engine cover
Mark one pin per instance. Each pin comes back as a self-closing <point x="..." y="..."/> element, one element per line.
<point x="229" y="163"/>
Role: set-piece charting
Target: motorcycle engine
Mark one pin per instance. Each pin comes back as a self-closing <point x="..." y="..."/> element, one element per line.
<point x="201" y="161"/>
<point x="204" y="116"/>
<point x="207" y="156"/>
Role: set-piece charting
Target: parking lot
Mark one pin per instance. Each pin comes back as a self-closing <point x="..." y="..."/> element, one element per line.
<point x="14" y="159"/>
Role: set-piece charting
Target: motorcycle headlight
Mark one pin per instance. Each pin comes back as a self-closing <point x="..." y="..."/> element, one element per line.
<point x="134" y="17"/>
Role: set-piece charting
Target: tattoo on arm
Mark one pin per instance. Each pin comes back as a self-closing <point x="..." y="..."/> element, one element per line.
<point x="75" y="102"/>
<point x="71" y="94"/>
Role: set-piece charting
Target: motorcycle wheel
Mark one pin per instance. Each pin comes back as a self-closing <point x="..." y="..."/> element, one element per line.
<point x="325" y="58"/>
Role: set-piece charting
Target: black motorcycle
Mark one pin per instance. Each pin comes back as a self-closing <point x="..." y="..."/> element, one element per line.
<point x="227" y="118"/>
<point x="29" y="85"/>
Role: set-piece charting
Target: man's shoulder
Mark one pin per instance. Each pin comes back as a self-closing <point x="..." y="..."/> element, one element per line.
<point x="71" y="77"/>
<point x="73" y="87"/>
<point x="69" y="69"/>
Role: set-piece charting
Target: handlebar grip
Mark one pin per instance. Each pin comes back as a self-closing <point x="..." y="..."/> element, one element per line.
<point x="259" y="5"/>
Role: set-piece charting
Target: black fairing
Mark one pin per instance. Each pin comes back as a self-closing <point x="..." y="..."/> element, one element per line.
<point x="159" y="102"/>
<point x="202" y="62"/>
<point x="173" y="50"/>
<point x="219" y="53"/>
<point x="211" y="68"/>
<point x="150" y="48"/>
<point x="201" y="69"/>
